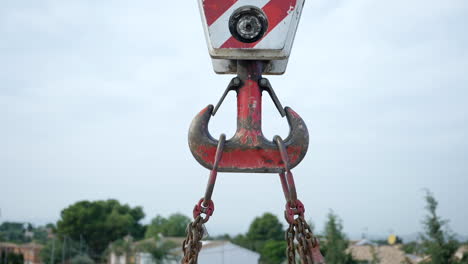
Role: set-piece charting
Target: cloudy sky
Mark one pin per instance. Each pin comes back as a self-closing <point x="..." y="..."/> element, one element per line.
<point x="96" y="98"/>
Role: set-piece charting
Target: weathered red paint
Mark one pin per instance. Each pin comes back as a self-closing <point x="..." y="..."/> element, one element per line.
<point x="250" y="157"/>
<point x="216" y="8"/>
<point x="248" y="150"/>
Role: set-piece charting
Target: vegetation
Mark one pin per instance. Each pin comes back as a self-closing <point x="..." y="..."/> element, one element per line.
<point x="335" y="242"/>
<point x="174" y="225"/>
<point x="21" y="233"/>
<point x="57" y="250"/>
<point x="89" y="231"/>
<point x="438" y="243"/>
<point x="265" y="236"/>
<point x="412" y="248"/>
<point x="159" y="250"/>
<point x="11" y="258"/>
<point x="274" y="251"/>
<point x="82" y="259"/>
<point x="99" y="223"/>
<point x="13" y="232"/>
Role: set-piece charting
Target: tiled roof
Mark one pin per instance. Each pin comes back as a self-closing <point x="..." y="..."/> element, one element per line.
<point x="386" y="254"/>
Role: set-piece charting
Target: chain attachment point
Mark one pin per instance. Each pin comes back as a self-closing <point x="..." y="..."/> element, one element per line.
<point x="203" y="207"/>
<point x="293" y="210"/>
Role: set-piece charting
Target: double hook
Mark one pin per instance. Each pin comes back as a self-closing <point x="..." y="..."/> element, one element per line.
<point x="248" y="150"/>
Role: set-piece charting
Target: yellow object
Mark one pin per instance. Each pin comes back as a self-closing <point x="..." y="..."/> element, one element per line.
<point x="392" y="239"/>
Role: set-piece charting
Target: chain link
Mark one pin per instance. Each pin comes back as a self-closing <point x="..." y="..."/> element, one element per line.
<point x="291" y="248"/>
<point x="307" y="245"/>
<point x="192" y="244"/>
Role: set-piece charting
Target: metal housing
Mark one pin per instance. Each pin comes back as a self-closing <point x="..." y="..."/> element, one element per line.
<point x="274" y="47"/>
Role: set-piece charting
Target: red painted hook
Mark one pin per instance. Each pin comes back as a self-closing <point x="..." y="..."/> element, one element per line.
<point x="248" y="150"/>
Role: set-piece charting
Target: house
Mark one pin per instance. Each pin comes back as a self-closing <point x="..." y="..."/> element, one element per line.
<point x="385" y="254"/>
<point x="29" y="251"/>
<point x="461" y="252"/>
<point x="213" y="252"/>
<point x="223" y="252"/>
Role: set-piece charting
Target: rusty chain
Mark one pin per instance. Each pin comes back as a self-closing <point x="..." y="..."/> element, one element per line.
<point x="307" y="244"/>
<point x="308" y="247"/>
<point x="192" y="244"/>
<point x="291" y="247"/>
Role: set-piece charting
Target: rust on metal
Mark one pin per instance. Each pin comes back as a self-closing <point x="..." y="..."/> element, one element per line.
<point x="248" y="150"/>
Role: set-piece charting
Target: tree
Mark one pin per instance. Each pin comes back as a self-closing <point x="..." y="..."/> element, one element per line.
<point x="122" y="247"/>
<point x="412" y="248"/>
<point x="13" y="258"/>
<point x="56" y="249"/>
<point x="263" y="233"/>
<point x="99" y="223"/>
<point x="40" y="235"/>
<point x="273" y="252"/>
<point x="438" y="243"/>
<point x="159" y="250"/>
<point x="335" y="243"/>
<point x="82" y="259"/>
<point x="265" y="227"/>
<point x="175" y="226"/>
<point x="13" y="232"/>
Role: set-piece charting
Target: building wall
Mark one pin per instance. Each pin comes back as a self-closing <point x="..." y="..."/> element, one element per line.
<point x="227" y="254"/>
<point x="114" y="259"/>
<point x="29" y="251"/>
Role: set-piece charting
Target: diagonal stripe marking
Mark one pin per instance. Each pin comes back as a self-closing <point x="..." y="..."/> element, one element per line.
<point x="276" y="11"/>
<point x="215" y="8"/>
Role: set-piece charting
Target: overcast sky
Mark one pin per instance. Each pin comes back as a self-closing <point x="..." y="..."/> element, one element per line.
<point x="96" y="98"/>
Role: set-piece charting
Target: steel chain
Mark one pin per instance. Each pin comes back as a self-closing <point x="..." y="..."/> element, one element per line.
<point x="192" y="244"/>
<point x="307" y="245"/>
<point x="291" y="247"/>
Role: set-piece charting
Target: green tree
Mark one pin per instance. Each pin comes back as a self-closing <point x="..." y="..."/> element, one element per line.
<point x="438" y="243"/>
<point x="100" y="222"/>
<point x="159" y="250"/>
<point x="14" y="258"/>
<point x="40" y="235"/>
<point x="174" y="226"/>
<point x="273" y="252"/>
<point x="264" y="228"/>
<point x="13" y="232"/>
<point x="335" y="244"/>
<point x="263" y="232"/>
<point x="82" y="259"/>
<point x="11" y="258"/>
<point x="56" y="248"/>
<point x="122" y="247"/>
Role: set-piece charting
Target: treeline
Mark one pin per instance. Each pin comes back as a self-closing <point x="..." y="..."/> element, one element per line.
<point x="21" y="233"/>
<point x="87" y="230"/>
<point x="266" y="235"/>
<point x="90" y="229"/>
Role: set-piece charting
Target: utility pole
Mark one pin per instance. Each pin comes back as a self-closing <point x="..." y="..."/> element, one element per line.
<point x="52" y="256"/>
<point x="63" y="250"/>
<point x="81" y="244"/>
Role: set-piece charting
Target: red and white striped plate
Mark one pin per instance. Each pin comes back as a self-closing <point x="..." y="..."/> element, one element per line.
<point x="283" y="17"/>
